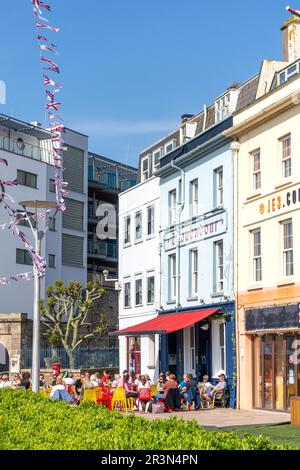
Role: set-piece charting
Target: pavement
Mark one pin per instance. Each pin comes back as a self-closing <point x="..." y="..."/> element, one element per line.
<point x="226" y="417"/>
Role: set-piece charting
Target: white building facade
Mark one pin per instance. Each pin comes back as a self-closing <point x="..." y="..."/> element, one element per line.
<point x="139" y="276"/>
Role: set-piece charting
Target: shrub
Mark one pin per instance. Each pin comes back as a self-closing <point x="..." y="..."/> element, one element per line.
<point x="31" y="421"/>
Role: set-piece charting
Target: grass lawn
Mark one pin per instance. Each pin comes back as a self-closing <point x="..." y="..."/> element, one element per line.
<point x="281" y="434"/>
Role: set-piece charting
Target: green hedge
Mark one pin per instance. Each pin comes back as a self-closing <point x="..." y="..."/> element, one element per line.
<point x="28" y="421"/>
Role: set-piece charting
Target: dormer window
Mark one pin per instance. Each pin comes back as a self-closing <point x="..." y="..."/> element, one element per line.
<point x="283" y="76"/>
<point x="169" y="146"/>
<point x="222" y="108"/>
<point x="145" y="164"/>
<point x="156" y="157"/>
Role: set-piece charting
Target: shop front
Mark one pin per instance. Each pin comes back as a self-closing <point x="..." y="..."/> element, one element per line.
<point x="198" y="341"/>
<point x="275" y="338"/>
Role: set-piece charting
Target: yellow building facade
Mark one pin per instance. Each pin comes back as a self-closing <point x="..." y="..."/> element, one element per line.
<point x="266" y="156"/>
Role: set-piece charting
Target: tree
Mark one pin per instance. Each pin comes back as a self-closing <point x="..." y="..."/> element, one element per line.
<point x="65" y="315"/>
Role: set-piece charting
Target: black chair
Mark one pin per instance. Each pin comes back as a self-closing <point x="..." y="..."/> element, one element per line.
<point x="173" y="399"/>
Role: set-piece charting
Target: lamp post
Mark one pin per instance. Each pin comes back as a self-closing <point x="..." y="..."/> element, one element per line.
<point x="38" y="237"/>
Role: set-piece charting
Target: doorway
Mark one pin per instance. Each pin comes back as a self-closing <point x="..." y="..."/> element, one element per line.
<point x="276" y="370"/>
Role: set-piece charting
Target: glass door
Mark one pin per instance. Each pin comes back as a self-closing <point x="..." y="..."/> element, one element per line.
<point x="268" y="372"/>
<point x="257" y="372"/>
<point x="279" y="373"/>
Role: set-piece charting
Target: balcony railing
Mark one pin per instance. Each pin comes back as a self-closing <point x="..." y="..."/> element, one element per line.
<point x="102" y="248"/>
<point x="25" y="149"/>
<point x="110" y="180"/>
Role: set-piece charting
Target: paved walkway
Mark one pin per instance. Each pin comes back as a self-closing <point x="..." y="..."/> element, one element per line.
<point x="226" y="417"/>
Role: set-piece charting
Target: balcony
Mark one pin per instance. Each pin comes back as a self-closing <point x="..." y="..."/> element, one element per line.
<point x="113" y="179"/>
<point x="25" y="149"/>
<point x="102" y="249"/>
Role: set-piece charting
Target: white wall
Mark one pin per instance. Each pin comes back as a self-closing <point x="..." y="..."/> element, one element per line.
<point x="139" y="258"/>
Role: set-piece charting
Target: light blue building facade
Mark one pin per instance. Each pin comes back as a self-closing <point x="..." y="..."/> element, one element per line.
<point x="196" y="250"/>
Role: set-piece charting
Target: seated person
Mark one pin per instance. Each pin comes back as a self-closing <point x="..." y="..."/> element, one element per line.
<point x="221" y="386"/>
<point x="160" y="386"/>
<point x="105" y="378"/>
<point x="58" y="386"/>
<point x="204" y="385"/>
<point x="172" y="394"/>
<point x="192" y="391"/>
<point x="144" y="393"/>
<point x="129" y="392"/>
<point x="182" y="387"/>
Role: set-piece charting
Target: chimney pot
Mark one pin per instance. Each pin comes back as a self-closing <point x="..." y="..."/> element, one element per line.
<point x="291" y="39"/>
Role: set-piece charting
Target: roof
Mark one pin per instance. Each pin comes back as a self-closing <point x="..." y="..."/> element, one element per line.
<point x="25" y="127"/>
<point x="247" y="93"/>
<point x="112" y="162"/>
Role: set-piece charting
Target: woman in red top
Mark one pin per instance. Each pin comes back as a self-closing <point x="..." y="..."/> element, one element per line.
<point x="106" y="377"/>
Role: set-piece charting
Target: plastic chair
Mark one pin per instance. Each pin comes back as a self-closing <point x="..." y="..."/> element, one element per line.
<point x="103" y="397"/>
<point x="119" y="397"/>
<point x="89" y="395"/>
<point x="153" y="390"/>
<point x="130" y="403"/>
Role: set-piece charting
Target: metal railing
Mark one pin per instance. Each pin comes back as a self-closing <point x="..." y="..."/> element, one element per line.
<point x="25" y="149"/>
<point x="100" y="357"/>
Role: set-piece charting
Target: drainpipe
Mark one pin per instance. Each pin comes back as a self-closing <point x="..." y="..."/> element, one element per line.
<point x="181" y="205"/>
<point x="234" y="147"/>
<point x="204" y="117"/>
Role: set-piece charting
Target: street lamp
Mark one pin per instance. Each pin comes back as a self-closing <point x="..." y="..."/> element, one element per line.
<point x="38" y="237"/>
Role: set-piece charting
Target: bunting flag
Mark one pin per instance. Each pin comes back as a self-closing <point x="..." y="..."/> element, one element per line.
<point x="4" y="281"/>
<point x="49" y="81"/>
<point x="36" y="13"/>
<point x="54" y="69"/>
<point x="10" y="183"/>
<point x="53" y="106"/>
<point x="39" y="5"/>
<point x="46" y="48"/>
<point x="41" y="25"/>
<point x="43" y="59"/>
<point x="4" y="161"/>
<point x="294" y="12"/>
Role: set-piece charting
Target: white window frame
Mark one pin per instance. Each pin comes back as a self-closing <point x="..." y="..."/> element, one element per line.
<point x="222" y="108"/>
<point x="126" y="283"/>
<point x="194" y="272"/>
<point x="256" y="172"/>
<point x="172" y="288"/>
<point x="169" y="144"/>
<point x="172" y="201"/>
<point x="138" y="279"/>
<point x="219" y="186"/>
<point x="218" y="350"/>
<point x="145" y="173"/>
<point x="150" y="276"/>
<point x="256" y="255"/>
<point x="287" y="250"/>
<point x="194" y="197"/>
<point x="219" y="267"/>
<point x="151" y="211"/>
<point x="154" y="153"/>
<point x="192" y="361"/>
<point x="138" y="238"/>
<point x="127" y="230"/>
<point x="286" y="161"/>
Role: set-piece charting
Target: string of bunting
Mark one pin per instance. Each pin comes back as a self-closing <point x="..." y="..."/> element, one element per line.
<point x="52" y="88"/>
<point x="16" y="217"/>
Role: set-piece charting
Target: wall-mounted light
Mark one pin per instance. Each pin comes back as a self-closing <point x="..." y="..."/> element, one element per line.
<point x="202" y="301"/>
<point x="205" y="327"/>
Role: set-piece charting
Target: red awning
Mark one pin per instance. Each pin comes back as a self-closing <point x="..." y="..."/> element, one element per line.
<point x="167" y="323"/>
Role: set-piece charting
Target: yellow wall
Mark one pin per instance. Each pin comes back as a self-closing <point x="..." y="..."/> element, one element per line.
<point x="265" y="209"/>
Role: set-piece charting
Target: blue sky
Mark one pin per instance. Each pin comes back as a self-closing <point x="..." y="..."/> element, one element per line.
<point x="130" y="69"/>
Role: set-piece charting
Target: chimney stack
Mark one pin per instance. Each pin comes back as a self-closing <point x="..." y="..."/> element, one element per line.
<point x="291" y="39"/>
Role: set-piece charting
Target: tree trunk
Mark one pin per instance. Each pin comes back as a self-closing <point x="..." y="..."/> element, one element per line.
<point x="72" y="358"/>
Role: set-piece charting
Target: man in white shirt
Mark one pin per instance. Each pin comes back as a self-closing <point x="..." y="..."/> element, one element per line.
<point x="5" y="383"/>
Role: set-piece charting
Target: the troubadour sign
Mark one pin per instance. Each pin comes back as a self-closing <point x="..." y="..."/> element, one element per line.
<point x="201" y="229"/>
